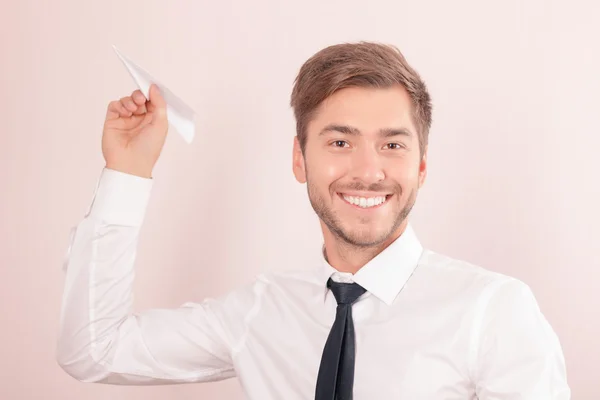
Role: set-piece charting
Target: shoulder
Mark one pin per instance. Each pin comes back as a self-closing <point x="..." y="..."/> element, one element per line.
<point x="439" y="267"/>
<point x="298" y="276"/>
<point x="476" y="287"/>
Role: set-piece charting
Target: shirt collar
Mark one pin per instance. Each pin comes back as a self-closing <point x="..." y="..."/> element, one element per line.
<point x="387" y="273"/>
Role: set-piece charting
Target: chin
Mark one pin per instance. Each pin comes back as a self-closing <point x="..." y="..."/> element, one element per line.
<point x="365" y="237"/>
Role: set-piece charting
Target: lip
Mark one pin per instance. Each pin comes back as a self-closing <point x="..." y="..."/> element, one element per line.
<point x="363" y="194"/>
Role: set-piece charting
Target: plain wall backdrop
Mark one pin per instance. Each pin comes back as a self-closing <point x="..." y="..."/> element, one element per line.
<point x="513" y="160"/>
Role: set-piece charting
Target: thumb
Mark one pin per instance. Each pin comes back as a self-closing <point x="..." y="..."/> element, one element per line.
<point x="159" y="105"/>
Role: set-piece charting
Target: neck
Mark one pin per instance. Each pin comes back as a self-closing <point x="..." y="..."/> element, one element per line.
<point x="346" y="257"/>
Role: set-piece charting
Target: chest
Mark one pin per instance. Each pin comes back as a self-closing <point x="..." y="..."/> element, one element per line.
<point x="399" y="353"/>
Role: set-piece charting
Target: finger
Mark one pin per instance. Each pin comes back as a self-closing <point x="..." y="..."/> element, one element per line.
<point x="128" y="103"/>
<point x="140" y="101"/>
<point x="138" y="97"/>
<point x="156" y="97"/>
<point x="140" y="110"/>
<point x="112" y="115"/>
<point x="112" y="111"/>
<point x="116" y="110"/>
<point x="158" y="105"/>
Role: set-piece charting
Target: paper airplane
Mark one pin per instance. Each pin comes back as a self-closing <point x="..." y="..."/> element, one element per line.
<point x="179" y="114"/>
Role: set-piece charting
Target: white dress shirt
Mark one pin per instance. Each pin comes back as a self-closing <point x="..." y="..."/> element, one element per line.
<point x="429" y="327"/>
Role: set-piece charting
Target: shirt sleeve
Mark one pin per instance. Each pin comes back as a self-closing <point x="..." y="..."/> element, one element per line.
<point x="519" y="356"/>
<point x="101" y="339"/>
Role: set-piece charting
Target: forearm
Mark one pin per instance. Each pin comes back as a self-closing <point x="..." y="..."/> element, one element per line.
<point x="101" y="339"/>
<point x="97" y="298"/>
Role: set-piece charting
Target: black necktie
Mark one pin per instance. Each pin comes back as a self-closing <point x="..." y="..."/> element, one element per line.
<point x="336" y="373"/>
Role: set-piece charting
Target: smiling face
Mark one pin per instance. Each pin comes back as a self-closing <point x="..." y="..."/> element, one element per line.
<point x="362" y="164"/>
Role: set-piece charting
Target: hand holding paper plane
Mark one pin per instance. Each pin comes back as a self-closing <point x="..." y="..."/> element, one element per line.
<point x="179" y="114"/>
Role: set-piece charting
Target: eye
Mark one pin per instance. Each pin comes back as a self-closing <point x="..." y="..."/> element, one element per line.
<point x="394" y="146"/>
<point x="340" y="143"/>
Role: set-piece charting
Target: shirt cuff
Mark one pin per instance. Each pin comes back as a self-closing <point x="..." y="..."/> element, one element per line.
<point x="120" y="198"/>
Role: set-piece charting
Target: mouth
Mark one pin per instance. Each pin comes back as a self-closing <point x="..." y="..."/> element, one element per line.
<point x="365" y="202"/>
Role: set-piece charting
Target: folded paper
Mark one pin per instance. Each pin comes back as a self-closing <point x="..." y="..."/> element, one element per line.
<point x="179" y="114"/>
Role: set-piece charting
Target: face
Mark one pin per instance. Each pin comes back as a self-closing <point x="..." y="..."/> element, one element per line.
<point x="362" y="164"/>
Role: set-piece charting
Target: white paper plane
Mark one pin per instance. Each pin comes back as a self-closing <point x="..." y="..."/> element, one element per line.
<point x="180" y="115"/>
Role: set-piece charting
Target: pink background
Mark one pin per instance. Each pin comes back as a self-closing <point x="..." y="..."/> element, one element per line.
<point x="513" y="163"/>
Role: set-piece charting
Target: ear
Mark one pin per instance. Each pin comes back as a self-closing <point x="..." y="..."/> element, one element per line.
<point x="298" y="162"/>
<point x="423" y="168"/>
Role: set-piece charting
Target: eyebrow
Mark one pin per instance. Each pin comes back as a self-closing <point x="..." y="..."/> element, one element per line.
<point x="350" y="130"/>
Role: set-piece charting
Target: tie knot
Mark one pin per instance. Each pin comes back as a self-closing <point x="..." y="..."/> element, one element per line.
<point x="345" y="293"/>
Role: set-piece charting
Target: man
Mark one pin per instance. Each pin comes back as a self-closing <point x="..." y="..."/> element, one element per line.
<point x="381" y="318"/>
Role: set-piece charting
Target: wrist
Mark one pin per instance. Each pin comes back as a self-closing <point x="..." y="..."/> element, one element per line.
<point x="131" y="170"/>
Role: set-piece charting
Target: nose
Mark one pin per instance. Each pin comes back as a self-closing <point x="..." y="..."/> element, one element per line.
<point x="367" y="166"/>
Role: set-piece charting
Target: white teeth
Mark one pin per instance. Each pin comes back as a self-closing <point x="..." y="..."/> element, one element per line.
<point x="365" y="202"/>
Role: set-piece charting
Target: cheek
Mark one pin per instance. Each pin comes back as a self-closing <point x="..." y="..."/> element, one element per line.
<point x="333" y="172"/>
<point x="326" y="169"/>
<point x="405" y="173"/>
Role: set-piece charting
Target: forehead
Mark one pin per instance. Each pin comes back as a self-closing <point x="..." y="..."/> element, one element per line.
<point x="368" y="109"/>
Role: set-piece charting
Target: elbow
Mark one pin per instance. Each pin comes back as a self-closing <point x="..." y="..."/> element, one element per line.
<point x="75" y="371"/>
<point x="79" y="371"/>
<point x="81" y="365"/>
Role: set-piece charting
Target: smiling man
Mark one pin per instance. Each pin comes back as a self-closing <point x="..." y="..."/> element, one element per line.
<point x="363" y="167"/>
<point x="381" y="317"/>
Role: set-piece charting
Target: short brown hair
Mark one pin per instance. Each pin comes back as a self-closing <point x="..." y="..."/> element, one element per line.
<point x="362" y="64"/>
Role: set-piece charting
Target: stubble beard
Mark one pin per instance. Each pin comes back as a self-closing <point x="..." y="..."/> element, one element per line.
<point x="359" y="238"/>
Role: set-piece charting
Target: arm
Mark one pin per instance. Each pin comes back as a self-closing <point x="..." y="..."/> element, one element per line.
<point x="101" y="339"/>
<point x="519" y="356"/>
